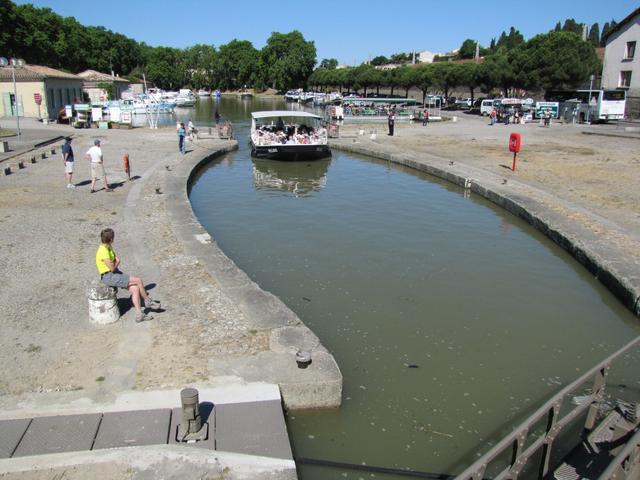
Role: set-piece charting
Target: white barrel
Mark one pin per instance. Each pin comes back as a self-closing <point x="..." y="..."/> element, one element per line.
<point x="103" y="303"/>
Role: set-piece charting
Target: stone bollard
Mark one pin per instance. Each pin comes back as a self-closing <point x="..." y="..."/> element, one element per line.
<point x="103" y="303"/>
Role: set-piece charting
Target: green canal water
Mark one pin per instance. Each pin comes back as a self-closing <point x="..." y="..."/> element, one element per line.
<point x="450" y="319"/>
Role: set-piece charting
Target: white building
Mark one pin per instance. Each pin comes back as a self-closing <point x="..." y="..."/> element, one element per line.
<point x="621" y="67"/>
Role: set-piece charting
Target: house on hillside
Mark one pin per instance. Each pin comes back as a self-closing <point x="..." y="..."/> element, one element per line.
<point x="54" y="89"/>
<point x="101" y="86"/>
<point x="621" y="68"/>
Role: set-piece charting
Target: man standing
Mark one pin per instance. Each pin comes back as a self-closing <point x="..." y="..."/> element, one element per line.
<point x="97" y="166"/>
<point x="391" y="121"/>
<point x="67" y="156"/>
<point x="425" y="118"/>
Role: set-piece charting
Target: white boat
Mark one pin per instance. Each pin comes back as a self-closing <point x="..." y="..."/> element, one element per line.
<point x="185" y="98"/>
<point x="288" y="135"/>
<point x="204" y="93"/>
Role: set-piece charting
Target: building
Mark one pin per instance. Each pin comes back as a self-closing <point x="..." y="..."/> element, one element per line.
<point x="54" y="88"/>
<point x="101" y="86"/>
<point x="621" y="68"/>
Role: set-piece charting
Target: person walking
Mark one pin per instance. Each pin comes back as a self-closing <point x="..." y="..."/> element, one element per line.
<point x="97" y="166"/>
<point x="181" y="134"/>
<point x="547" y="117"/>
<point x="493" y="116"/>
<point x="67" y="156"/>
<point x="191" y="129"/>
<point x="108" y="264"/>
<point x="425" y="117"/>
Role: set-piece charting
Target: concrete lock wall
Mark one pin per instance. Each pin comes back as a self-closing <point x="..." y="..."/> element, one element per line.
<point x="103" y="303"/>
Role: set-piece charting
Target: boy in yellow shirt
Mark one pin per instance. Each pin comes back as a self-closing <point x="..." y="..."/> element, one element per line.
<point x="108" y="262"/>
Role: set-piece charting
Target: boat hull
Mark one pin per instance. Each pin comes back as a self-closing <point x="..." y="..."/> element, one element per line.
<point x="291" y="152"/>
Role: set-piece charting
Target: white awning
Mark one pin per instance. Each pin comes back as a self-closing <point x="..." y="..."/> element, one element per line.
<point x="284" y="113"/>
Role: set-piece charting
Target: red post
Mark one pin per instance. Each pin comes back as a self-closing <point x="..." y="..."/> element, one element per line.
<point x="513" y="165"/>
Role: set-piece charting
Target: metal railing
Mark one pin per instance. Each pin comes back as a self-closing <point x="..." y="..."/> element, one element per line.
<point x="550" y="412"/>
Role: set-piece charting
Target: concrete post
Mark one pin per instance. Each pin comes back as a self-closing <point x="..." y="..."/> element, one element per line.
<point x="191" y="420"/>
<point x="103" y="304"/>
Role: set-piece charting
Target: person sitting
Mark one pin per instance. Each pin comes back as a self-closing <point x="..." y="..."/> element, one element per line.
<point x="108" y="265"/>
<point x="280" y="124"/>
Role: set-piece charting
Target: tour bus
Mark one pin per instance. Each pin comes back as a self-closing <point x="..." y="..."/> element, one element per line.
<point x="590" y="105"/>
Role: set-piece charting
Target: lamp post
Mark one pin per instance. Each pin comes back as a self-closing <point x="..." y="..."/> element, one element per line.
<point x="14" y="62"/>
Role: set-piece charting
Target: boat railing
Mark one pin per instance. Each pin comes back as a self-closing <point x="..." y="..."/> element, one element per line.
<point x="521" y="449"/>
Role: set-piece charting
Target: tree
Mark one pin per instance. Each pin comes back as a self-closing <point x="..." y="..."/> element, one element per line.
<point x="605" y="31"/>
<point x="556" y="60"/>
<point x="407" y="77"/>
<point x="424" y="79"/>
<point x="570" y="25"/>
<point x="594" y="34"/>
<point x="446" y="76"/>
<point x="365" y="77"/>
<point x="200" y="63"/>
<point x="400" y="58"/>
<point x="165" y="67"/>
<point x="379" y="60"/>
<point x="289" y="60"/>
<point x="329" y="63"/>
<point x="9" y="28"/>
<point x="237" y="64"/>
<point x="467" y="49"/>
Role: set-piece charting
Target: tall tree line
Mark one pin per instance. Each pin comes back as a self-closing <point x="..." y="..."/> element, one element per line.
<point x="548" y="61"/>
<point x="42" y="37"/>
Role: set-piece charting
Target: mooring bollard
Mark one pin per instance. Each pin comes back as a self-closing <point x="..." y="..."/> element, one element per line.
<point x="43" y="155"/>
<point x="53" y="151"/>
<point x="20" y="165"/>
<point x="33" y="159"/>
<point x="191" y="427"/>
<point x="103" y="303"/>
<point x="7" y="171"/>
<point x="303" y="358"/>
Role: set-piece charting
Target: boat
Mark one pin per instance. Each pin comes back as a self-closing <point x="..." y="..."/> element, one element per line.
<point x="185" y="98"/>
<point x="246" y="94"/>
<point x="204" y="93"/>
<point x="288" y="135"/>
<point x="217" y="93"/>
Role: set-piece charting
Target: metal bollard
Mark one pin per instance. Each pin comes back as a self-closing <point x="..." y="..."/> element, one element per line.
<point x="20" y="165"/>
<point x="33" y="159"/>
<point x="43" y="155"/>
<point x="191" y="428"/>
<point x="53" y="151"/>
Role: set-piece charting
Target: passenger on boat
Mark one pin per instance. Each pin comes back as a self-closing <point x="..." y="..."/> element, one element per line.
<point x="280" y="124"/>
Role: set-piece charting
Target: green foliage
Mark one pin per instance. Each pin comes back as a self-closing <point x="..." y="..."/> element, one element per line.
<point x="164" y="66"/>
<point x="594" y="34"/>
<point x="570" y="25"/>
<point x="511" y="41"/>
<point x="288" y="60"/>
<point x="200" y="62"/>
<point x="237" y="64"/>
<point x="400" y="58"/>
<point x="467" y="49"/>
<point x="107" y="87"/>
<point x="329" y="63"/>
<point x="379" y="60"/>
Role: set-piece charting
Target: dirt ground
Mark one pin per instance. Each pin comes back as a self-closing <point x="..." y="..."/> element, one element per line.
<point x="599" y="173"/>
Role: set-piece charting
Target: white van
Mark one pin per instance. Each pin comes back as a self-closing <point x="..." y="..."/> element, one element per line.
<point x="486" y="106"/>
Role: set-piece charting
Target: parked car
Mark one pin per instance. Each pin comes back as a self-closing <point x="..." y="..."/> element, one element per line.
<point x="463" y="103"/>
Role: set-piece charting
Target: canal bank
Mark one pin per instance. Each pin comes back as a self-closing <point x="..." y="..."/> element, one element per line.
<point x="202" y="337"/>
<point x="601" y="231"/>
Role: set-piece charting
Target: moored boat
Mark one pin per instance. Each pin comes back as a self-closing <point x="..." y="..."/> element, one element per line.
<point x="204" y="93"/>
<point x="288" y="135"/>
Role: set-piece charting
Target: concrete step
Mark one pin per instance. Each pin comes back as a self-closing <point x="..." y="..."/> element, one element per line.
<point x="252" y="425"/>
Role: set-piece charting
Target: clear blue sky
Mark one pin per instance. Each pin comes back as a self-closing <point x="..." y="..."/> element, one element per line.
<point x="350" y="31"/>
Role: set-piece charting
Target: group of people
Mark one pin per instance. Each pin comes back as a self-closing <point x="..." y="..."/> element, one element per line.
<point x="286" y="134"/>
<point x="95" y="156"/>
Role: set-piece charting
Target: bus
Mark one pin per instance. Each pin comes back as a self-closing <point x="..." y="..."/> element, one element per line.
<point x="589" y="105"/>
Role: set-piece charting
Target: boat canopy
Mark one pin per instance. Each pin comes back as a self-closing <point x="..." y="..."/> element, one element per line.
<point x="283" y="113"/>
